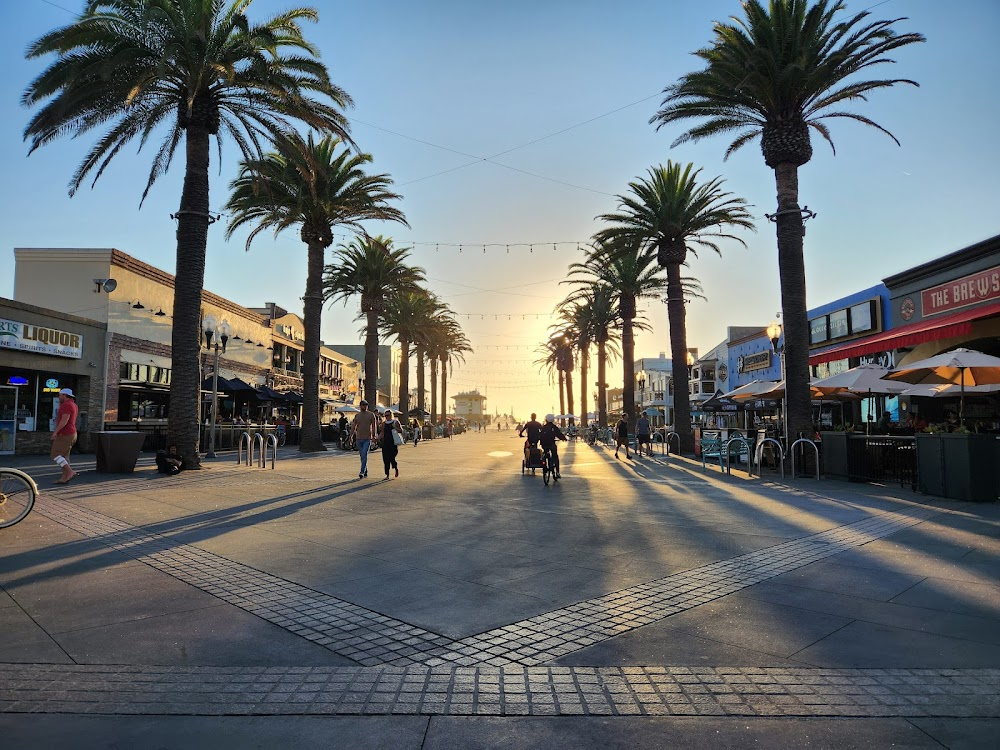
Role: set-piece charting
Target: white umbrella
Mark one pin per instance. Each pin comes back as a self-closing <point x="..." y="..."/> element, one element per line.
<point x="347" y="409"/>
<point x="961" y="367"/>
<point x="753" y="389"/>
<point x="860" y="379"/>
<point x="935" y="391"/>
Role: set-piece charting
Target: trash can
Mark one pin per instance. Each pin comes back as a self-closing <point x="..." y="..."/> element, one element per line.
<point x="117" y="452"/>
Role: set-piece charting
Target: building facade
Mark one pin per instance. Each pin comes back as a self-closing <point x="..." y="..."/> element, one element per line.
<point x="471" y="406"/>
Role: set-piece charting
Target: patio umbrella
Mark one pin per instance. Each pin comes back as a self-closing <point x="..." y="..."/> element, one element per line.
<point x="753" y="389"/>
<point x="943" y="390"/>
<point x="961" y="367"/>
<point x="861" y="379"/>
<point x="347" y="409"/>
<point x="419" y="413"/>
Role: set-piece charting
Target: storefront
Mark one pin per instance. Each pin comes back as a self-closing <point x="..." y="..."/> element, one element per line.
<point x="42" y="352"/>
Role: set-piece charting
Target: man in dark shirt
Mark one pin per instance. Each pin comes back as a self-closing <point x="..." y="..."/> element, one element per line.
<point x="534" y="430"/>
<point x="548" y="436"/>
<point x="621" y="435"/>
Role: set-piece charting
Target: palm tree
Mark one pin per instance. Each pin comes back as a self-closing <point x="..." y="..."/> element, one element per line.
<point x="405" y="317"/>
<point x="774" y="75"/>
<point x="596" y="316"/>
<point x="633" y="274"/>
<point x="373" y="269"/>
<point x="454" y="347"/>
<point x="315" y="187"/>
<point x="557" y="359"/>
<point x="673" y="214"/>
<point x="202" y="69"/>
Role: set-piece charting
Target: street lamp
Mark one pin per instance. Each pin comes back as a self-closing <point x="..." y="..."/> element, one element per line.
<point x="690" y="364"/>
<point x="774" y="333"/>
<point x="640" y="379"/>
<point x="220" y="332"/>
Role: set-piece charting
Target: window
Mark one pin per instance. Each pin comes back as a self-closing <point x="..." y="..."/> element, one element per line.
<point x="862" y="317"/>
<point x="818" y="331"/>
<point x="838" y="324"/>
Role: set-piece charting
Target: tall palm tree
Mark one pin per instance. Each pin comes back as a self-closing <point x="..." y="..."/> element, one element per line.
<point x="405" y="317"/>
<point x="314" y="186"/>
<point x="674" y="214"/>
<point x="556" y="358"/>
<point x="774" y="75"/>
<point x="596" y="314"/>
<point x="633" y="273"/>
<point x="371" y="268"/>
<point x="454" y="347"/>
<point x="201" y="69"/>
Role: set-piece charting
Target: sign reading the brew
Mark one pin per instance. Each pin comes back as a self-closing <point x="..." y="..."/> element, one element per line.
<point x="968" y="290"/>
<point x="753" y="362"/>
<point x="28" y="337"/>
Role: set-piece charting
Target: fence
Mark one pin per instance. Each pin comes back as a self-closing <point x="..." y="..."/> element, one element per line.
<point x="882" y="458"/>
<point x="227" y="436"/>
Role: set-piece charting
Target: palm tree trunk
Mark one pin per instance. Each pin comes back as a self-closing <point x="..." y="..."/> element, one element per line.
<point x="421" y="380"/>
<point x="434" y="387"/>
<point x="371" y="359"/>
<point x="628" y="369"/>
<point x="678" y="355"/>
<point x="791" y="269"/>
<point x="404" y="377"/>
<point x="602" y="391"/>
<point x="183" y="424"/>
<point x="569" y="392"/>
<point x="444" y="389"/>
<point x="310" y="439"/>
<point x="584" y="356"/>
<point x="562" y="392"/>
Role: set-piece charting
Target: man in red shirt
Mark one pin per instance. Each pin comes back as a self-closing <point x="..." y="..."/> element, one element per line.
<point x="64" y="434"/>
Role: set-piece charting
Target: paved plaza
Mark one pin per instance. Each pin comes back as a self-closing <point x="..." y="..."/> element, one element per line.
<point x="634" y="604"/>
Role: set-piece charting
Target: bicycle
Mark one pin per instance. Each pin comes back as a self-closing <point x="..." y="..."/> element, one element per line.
<point x="279" y="434"/>
<point x="550" y="464"/>
<point x="18" y="493"/>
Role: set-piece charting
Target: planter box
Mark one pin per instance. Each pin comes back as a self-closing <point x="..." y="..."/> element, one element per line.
<point x="959" y="466"/>
<point x="834" y="454"/>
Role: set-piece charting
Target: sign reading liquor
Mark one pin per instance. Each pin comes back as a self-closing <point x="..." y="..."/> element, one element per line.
<point x="968" y="290"/>
<point x="28" y="337"/>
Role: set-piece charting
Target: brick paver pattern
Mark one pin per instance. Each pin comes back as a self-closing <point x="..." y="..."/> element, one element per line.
<point x="370" y="638"/>
<point x="500" y="691"/>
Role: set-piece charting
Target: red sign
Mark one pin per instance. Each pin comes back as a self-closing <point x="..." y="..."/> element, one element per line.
<point x="968" y="290"/>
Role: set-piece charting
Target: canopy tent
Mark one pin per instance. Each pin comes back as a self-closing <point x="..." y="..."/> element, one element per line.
<point x="720" y="403"/>
<point x="961" y="367"/>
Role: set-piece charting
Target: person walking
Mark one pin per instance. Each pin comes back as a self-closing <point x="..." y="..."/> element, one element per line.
<point x="416" y="432"/>
<point x="363" y="430"/>
<point x="450" y="429"/>
<point x="643" y="434"/>
<point x="391" y="437"/>
<point x="621" y="435"/>
<point x="64" y="435"/>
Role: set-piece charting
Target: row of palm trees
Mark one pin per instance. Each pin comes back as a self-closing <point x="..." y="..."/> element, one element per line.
<point x="202" y="69"/>
<point x="773" y="75"/>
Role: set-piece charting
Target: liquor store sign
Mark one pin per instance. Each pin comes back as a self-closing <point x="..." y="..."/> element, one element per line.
<point x="968" y="290"/>
<point x="28" y="337"/>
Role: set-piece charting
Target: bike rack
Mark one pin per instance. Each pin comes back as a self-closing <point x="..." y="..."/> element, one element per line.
<point x="791" y="452"/>
<point x="670" y="435"/>
<point x="239" y="451"/>
<point x="759" y="455"/>
<point x="272" y="443"/>
<point x="259" y="448"/>
<point x="658" y="440"/>
<point x="749" y="457"/>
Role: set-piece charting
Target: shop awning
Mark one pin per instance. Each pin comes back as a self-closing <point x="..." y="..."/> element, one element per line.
<point x="931" y="329"/>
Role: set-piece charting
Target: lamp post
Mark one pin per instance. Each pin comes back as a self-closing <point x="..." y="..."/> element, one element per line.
<point x="774" y="333"/>
<point x="220" y="333"/>
<point x="640" y="381"/>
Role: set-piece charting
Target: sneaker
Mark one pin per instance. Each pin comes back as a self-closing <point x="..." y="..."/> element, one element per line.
<point x="366" y="473"/>
<point x="397" y="472"/>
<point x="361" y="475"/>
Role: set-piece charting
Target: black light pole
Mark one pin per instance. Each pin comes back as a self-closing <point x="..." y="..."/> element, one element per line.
<point x="220" y="332"/>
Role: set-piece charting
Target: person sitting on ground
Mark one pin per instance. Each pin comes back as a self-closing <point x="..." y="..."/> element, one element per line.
<point x="169" y="461"/>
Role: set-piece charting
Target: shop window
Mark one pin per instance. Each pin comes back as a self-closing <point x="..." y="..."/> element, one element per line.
<point x="863" y="317"/>
<point x="48" y="398"/>
<point x="818" y="332"/>
<point x="838" y="324"/>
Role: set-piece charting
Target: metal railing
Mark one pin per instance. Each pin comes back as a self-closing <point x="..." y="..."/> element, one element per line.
<point x="759" y="454"/>
<point x="249" y="454"/>
<point x="729" y="454"/>
<point x="882" y="458"/>
<point x="791" y="451"/>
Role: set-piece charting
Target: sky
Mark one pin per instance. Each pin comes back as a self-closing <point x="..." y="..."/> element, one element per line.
<point x="514" y="125"/>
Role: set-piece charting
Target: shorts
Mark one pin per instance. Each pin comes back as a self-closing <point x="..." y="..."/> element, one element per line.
<point x="641" y="439"/>
<point x="62" y="445"/>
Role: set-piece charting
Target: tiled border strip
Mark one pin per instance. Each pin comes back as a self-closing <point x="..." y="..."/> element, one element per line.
<point x="546" y="637"/>
<point x="496" y="691"/>
<point x="347" y="629"/>
<point x="370" y="638"/>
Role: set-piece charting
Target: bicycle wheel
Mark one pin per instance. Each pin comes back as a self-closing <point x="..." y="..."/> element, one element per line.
<point x="17" y="496"/>
<point x="545" y="471"/>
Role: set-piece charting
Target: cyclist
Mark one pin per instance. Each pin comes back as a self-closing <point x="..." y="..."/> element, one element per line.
<point x="548" y="436"/>
<point x="534" y="430"/>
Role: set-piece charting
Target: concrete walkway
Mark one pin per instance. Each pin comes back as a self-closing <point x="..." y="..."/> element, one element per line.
<point x="634" y="604"/>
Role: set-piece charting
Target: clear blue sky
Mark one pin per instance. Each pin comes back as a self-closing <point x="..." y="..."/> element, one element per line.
<point x="481" y="78"/>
